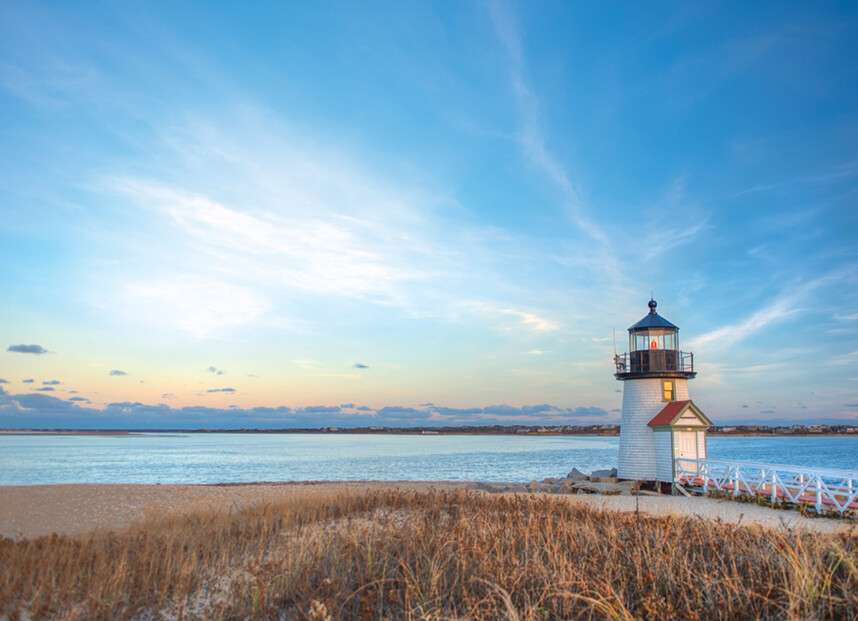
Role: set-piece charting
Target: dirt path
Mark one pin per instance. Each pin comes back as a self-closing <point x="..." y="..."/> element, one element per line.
<point x="31" y="511"/>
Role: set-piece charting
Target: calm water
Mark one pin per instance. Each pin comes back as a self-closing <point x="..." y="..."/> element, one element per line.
<point x="212" y="458"/>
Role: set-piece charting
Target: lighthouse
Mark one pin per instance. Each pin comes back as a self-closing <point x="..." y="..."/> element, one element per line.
<point x="659" y="420"/>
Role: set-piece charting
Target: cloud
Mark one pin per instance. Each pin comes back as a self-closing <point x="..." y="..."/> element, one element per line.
<point x="52" y="383"/>
<point x="45" y="389"/>
<point x="523" y="320"/>
<point x="168" y="395"/>
<point x="783" y="307"/>
<point x="221" y="390"/>
<point x="28" y="381"/>
<point x="347" y="406"/>
<point x="41" y="411"/>
<point x="199" y="305"/>
<point x="214" y="370"/>
<point x="2" y="381"/>
<point x="117" y="373"/>
<point x="531" y="136"/>
<point x="360" y="365"/>
<point x="794" y="184"/>
<point x="319" y="409"/>
<point x="318" y="224"/>
<point x="666" y="238"/>
<point x="38" y="350"/>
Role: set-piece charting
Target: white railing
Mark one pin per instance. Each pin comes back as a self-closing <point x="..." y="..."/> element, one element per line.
<point x="821" y="487"/>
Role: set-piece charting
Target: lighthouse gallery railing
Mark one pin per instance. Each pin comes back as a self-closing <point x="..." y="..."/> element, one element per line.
<point x="655" y="360"/>
<point x="821" y="487"/>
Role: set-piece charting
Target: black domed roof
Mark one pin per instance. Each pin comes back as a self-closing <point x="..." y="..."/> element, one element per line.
<point x="653" y="320"/>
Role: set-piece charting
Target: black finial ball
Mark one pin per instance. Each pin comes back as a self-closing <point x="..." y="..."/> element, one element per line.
<point x="652" y="305"/>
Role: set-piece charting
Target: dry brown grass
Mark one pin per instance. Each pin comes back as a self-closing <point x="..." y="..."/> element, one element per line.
<point x="442" y="555"/>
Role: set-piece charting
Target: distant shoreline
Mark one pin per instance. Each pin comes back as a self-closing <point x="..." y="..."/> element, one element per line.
<point x="589" y="432"/>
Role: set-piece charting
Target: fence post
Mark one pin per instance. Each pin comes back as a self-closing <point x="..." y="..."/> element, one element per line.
<point x="734" y="478"/>
<point x="774" y="487"/>
<point x="818" y="493"/>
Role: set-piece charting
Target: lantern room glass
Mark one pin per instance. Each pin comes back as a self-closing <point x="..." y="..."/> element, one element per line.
<point x="653" y="338"/>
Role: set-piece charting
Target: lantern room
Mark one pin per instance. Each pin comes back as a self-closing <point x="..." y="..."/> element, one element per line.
<point x="653" y="332"/>
<point x="654" y="350"/>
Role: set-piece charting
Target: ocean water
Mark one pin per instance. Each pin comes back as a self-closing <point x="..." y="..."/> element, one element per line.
<point x="224" y="457"/>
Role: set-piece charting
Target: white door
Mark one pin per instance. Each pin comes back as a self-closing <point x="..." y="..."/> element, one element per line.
<point x="687" y="444"/>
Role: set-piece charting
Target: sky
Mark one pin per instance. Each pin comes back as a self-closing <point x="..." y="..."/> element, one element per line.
<point x="224" y="215"/>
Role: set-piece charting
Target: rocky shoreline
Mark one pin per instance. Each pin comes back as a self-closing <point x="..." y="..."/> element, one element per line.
<point x="604" y="482"/>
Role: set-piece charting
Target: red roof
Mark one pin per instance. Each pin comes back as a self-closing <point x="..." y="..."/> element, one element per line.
<point x="668" y="413"/>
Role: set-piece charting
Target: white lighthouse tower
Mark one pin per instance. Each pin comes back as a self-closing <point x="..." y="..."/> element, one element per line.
<point x="659" y="421"/>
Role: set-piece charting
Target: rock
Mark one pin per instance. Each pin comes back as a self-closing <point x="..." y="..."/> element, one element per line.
<point x="516" y="488"/>
<point x="603" y="473"/>
<point x="551" y="480"/>
<point x="576" y="475"/>
<point x="609" y="480"/>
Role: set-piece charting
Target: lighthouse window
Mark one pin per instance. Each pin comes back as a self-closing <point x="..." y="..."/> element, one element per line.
<point x="669" y="391"/>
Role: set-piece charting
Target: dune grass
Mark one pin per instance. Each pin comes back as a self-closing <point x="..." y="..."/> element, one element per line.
<point x="439" y="555"/>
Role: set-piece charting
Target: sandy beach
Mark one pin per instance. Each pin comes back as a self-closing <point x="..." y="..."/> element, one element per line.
<point x="33" y="511"/>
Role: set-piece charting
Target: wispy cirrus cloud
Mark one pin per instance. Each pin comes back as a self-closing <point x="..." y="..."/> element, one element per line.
<point x="531" y="135"/>
<point x="725" y="336"/>
<point x="841" y="172"/>
<point x="312" y="228"/>
<point x="513" y="319"/>
<point x="792" y="301"/>
<point x="529" y="321"/>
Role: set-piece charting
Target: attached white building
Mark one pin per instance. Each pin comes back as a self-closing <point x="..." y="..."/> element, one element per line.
<point x="679" y="430"/>
<point x="655" y="428"/>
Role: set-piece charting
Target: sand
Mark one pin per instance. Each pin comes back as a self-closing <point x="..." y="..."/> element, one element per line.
<point x="32" y="511"/>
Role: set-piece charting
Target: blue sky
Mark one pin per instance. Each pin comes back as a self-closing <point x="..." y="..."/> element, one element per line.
<point x="222" y="215"/>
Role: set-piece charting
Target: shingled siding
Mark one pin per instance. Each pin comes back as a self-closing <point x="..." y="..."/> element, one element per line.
<point x="642" y="400"/>
<point x="664" y="455"/>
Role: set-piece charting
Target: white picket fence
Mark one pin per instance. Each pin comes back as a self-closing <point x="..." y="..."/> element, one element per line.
<point x="820" y="487"/>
